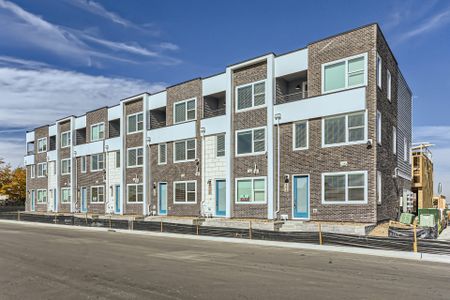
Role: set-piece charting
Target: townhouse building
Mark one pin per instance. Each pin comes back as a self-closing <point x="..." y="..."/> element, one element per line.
<point x="319" y="133"/>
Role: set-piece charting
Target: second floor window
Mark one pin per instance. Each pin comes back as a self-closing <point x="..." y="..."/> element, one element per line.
<point x="65" y="166"/>
<point x="342" y="74"/>
<point x="42" y="145"/>
<point x="97" y="132"/>
<point x="251" y="95"/>
<point x="251" y="141"/>
<point x="42" y="169"/>
<point x="135" y="123"/>
<point x="135" y="157"/>
<point x="184" y="150"/>
<point x="344" y="129"/>
<point x="66" y="139"/>
<point x="184" y="111"/>
<point x="97" y="162"/>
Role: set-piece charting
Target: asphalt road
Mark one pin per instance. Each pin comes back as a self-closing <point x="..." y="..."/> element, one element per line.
<point x="59" y="263"/>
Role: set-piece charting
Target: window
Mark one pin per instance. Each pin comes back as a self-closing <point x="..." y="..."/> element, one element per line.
<point x="97" y="194"/>
<point x="135" y="123"/>
<point x="41" y="196"/>
<point x="184" y="111"/>
<point x="220" y="145"/>
<point x="345" y="73"/>
<point x="162" y="154"/>
<point x="42" y="145"/>
<point x="379" y="69"/>
<point x="97" y="132"/>
<point x="344" y="188"/>
<point x="117" y="159"/>
<point x="344" y="129"/>
<point x="135" y="157"/>
<point x="135" y="193"/>
<point x="251" y="95"/>
<point x="66" y="139"/>
<point x="379" y="187"/>
<point x="184" y="150"/>
<point x="42" y="169"/>
<point x="301" y="135"/>
<point x="97" y="162"/>
<point x="378" y="127"/>
<point x="65" y="195"/>
<point x="65" y="166"/>
<point x="405" y="149"/>
<point x="185" y="192"/>
<point x="33" y="171"/>
<point x="83" y="164"/>
<point x="389" y="85"/>
<point x="252" y="141"/>
<point x="394" y="140"/>
<point x="251" y="190"/>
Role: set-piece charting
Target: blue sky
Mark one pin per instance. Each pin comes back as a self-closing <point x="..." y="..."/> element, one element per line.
<point x="66" y="56"/>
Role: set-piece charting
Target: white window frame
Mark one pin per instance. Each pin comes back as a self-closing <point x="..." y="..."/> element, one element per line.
<point x="83" y="164"/>
<point x="236" y="201"/>
<point x="62" y="193"/>
<point x="253" y="142"/>
<point x="379" y="68"/>
<point x="33" y="171"/>
<point x="346" y="202"/>
<point x="128" y="192"/>
<point x="186" y="149"/>
<point x="104" y="131"/>
<point x="217" y="147"/>
<point x="346" y="59"/>
<point x="346" y="130"/>
<point x="40" y="191"/>
<point x="394" y="140"/>
<point x="294" y="129"/>
<point x="379" y="127"/>
<point x="92" y="162"/>
<point x="137" y="122"/>
<point x="186" y="111"/>
<point x="128" y="154"/>
<point x="253" y="95"/>
<point x="69" y="139"/>
<point x="44" y="170"/>
<point x="44" y="144"/>
<point x="97" y="187"/>
<point x="159" y="154"/>
<point x="185" y="183"/>
<point x="389" y="85"/>
<point x="70" y="166"/>
<point x="379" y="187"/>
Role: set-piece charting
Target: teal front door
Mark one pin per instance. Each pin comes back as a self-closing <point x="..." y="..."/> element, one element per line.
<point x="83" y="195"/>
<point x="162" y="198"/>
<point x="221" y="198"/>
<point x="117" y="199"/>
<point x="301" y="197"/>
<point x="33" y="200"/>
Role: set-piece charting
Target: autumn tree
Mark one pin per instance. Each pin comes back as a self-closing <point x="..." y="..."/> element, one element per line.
<point x="12" y="181"/>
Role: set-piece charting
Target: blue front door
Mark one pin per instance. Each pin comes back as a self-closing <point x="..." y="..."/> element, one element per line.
<point x="301" y="197"/>
<point x="162" y="198"/>
<point x="117" y="200"/>
<point x="83" y="199"/>
<point x="221" y="198"/>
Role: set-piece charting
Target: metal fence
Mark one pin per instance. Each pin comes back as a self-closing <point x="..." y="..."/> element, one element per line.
<point x="407" y="244"/>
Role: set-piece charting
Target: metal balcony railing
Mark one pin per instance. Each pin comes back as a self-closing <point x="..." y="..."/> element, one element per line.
<point x="292" y="97"/>
<point x="214" y="113"/>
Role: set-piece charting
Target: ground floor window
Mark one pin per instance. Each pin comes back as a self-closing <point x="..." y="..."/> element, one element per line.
<point x="185" y="192"/>
<point x="342" y="187"/>
<point x="97" y="194"/>
<point x="251" y="190"/>
<point x="65" y="195"/>
<point x="41" y="196"/>
<point x="135" y="193"/>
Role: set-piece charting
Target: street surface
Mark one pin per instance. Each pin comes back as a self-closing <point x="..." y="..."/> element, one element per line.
<point x="57" y="263"/>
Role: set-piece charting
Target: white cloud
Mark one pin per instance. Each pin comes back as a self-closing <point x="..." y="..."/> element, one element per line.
<point x="97" y="9"/>
<point x="432" y="23"/>
<point x="21" y="63"/>
<point x="12" y="150"/>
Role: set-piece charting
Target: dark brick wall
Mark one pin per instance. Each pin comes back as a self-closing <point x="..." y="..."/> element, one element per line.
<point x="64" y="180"/>
<point x="88" y="180"/>
<point x="94" y="117"/>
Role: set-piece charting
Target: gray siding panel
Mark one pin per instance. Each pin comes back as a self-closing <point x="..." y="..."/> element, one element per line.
<point x="404" y="113"/>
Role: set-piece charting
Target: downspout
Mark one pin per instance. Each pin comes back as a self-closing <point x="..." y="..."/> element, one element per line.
<point x="148" y="167"/>
<point x="277" y="118"/>
<point x="203" y="177"/>
<point x="106" y="182"/>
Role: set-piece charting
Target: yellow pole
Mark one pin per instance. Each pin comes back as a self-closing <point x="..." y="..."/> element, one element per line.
<point x="161" y="226"/>
<point x="250" y="230"/>
<point x="320" y="234"/>
<point x="415" y="239"/>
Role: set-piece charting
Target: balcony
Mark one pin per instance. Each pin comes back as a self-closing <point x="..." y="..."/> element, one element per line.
<point x="114" y="128"/>
<point x="214" y="105"/>
<point x="292" y="87"/>
<point x="158" y="118"/>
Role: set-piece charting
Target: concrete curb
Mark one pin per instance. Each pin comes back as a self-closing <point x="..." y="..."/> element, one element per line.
<point x="341" y="249"/>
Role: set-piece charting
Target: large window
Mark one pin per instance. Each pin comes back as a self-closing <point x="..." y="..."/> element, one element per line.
<point x="185" y="192"/>
<point x="345" y="188"/>
<point x="184" y="111"/>
<point x="97" y="162"/>
<point x="97" y="132"/>
<point x="65" y="195"/>
<point x="251" y="190"/>
<point x="97" y="194"/>
<point x="135" y="157"/>
<point x="162" y="154"/>
<point x="379" y="70"/>
<point x="345" y="73"/>
<point x="344" y="129"/>
<point x="251" y="95"/>
<point x="42" y="145"/>
<point x="42" y="169"/>
<point x="66" y="139"/>
<point x="65" y="166"/>
<point x="301" y="135"/>
<point x="184" y="150"/>
<point x="251" y="141"/>
<point x="220" y="145"/>
<point x="135" y="123"/>
<point x="135" y="193"/>
<point x="41" y="196"/>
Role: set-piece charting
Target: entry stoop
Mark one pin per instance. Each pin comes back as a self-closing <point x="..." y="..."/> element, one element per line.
<point x="342" y="228"/>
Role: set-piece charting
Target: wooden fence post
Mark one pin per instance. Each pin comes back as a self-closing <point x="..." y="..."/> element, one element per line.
<point x="18" y="215"/>
<point x="320" y="234"/>
<point x="110" y="225"/>
<point x="415" y="239"/>
<point x="250" y="230"/>
<point x="161" y="226"/>
<point x="197" y="228"/>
